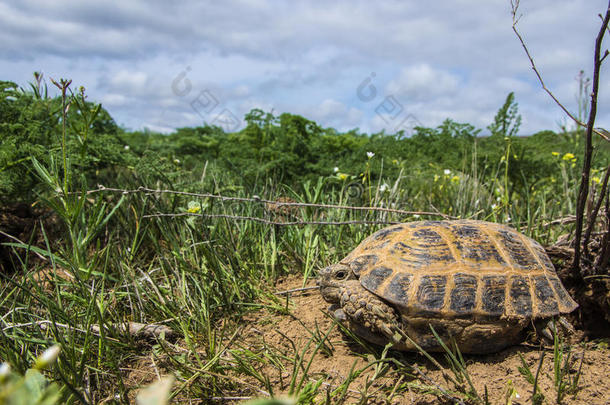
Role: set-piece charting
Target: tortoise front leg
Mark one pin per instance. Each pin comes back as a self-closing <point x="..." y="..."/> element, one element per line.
<point x="371" y="318"/>
<point x="556" y="325"/>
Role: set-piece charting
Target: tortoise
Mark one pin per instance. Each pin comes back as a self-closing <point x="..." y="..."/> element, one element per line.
<point x="477" y="282"/>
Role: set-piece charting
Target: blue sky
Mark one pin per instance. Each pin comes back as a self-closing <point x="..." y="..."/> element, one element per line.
<point x="381" y="65"/>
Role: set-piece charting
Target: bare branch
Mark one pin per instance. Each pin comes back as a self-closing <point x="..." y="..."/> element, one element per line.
<point x="135" y="329"/>
<point x="287" y="292"/>
<point x="515" y="7"/>
<point x="595" y="211"/>
<point x="586" y="168"/>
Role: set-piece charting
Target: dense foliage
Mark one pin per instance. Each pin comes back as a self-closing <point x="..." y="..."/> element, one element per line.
<point x="286" y="149"/>
<point x="191" y="261"/>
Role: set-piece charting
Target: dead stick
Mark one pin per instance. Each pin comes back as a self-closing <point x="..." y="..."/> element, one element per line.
<point x="515" y="7"/>
<point x="296" y="290"/>
<point x="586" y="168"/>
<point x="591" y="225"/>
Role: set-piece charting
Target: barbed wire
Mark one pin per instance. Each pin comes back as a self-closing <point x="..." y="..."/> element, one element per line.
<point x="271" y="203"/>
<point x="271" y="222"/>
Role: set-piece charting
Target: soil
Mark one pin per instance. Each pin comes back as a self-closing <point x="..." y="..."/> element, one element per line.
<point x="21" y="223"/>
<point x="291" y="334"/>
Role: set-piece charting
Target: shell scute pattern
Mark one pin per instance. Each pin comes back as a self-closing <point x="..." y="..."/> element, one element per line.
<point x="431" y="292"/>
<point x="361" y="262"/>
<point x="458" y="268"/>
<point x="562" y="294"/>
<point x="384" y="233"/>
<point x="521" y="256"/>
<point x="397" y="290"/>
<point x="476" y="246"/>
<point x="380" y="239"/>
<point x="463" y="295"/>
<point x="373" y="279"/>
<point x="478" y="282"/>
<point x="494" y="291"/>
<point x="545" y="295"/>
<point x="520" y="296"/>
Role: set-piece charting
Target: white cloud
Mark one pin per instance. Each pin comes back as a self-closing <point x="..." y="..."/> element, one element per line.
<point x="422" y="82"/>
<point x="439" y="60"/>
<point x="333" y="113"/>
<point x="129" y="81"/>
<point x="113" y="100"/>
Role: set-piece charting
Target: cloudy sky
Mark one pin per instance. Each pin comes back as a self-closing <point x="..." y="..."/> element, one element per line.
<point x="382" y="65"/>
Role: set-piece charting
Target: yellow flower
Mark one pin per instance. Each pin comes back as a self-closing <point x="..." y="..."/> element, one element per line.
<point x="395" y="161"/>
<point x="193" y="207"/>
<point x="569" y="156"/>
<point x="555" y="153"/>
<point x="436" y="177"/>
<point x="596" y="179"/>
<point x="455" y="179"/>
<point x="342" y="176"/>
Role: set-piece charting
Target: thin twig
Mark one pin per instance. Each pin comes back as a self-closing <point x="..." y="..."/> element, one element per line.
<point x="296" y="290"/>
<point x="515" y="7"/>
<point x="43" y="325"/>
<point x="134" y="329"/>
<point x="230" y="398"/>
<point x="603" y="257"/>
<point x="586" y="168"/>
<point x="560" y="221"/>
<point x="595" y="211"/>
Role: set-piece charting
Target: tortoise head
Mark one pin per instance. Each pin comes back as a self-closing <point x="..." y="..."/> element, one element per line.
<point x="332" y="278"/>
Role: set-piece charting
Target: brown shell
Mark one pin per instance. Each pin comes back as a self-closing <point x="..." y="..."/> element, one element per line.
<point x="460" y="269"/>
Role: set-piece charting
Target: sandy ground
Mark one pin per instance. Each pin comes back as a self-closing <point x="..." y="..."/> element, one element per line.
<point x="291" y="333"/>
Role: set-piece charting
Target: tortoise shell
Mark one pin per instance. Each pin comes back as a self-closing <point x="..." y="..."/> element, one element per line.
<point x="464" y="268"/>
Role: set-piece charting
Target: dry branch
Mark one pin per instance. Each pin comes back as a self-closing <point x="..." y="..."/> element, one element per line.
<point x="586" y="169"/>
<point x="135" y="329"/>
<point x="515" y="7"/>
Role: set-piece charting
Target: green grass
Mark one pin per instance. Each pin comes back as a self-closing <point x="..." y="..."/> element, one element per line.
<point x="191" y="274"/>
<point x="113" y="260"/>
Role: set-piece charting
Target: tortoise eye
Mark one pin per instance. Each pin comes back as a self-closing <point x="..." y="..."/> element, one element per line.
<point x="341" y="274"/>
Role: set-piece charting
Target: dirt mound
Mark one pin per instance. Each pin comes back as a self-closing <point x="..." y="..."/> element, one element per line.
<point x="21" y="223"/>
<point x="591" y="289"/>
<point x="295" y="341"/>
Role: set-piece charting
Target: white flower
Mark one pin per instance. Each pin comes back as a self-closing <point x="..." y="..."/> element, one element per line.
<point x="383" y="187"/>
<point x="415" y="215"/>
<point x="177" y="161"/>
<point x="336" y="169"/>
<point x="5" y="369"/>
<point x="493" y="206"/>
<point x="48" y="357"/>
<point x="447" y="172"/>
<point x="370" y="154"/>
<point x="126" y="147"/>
